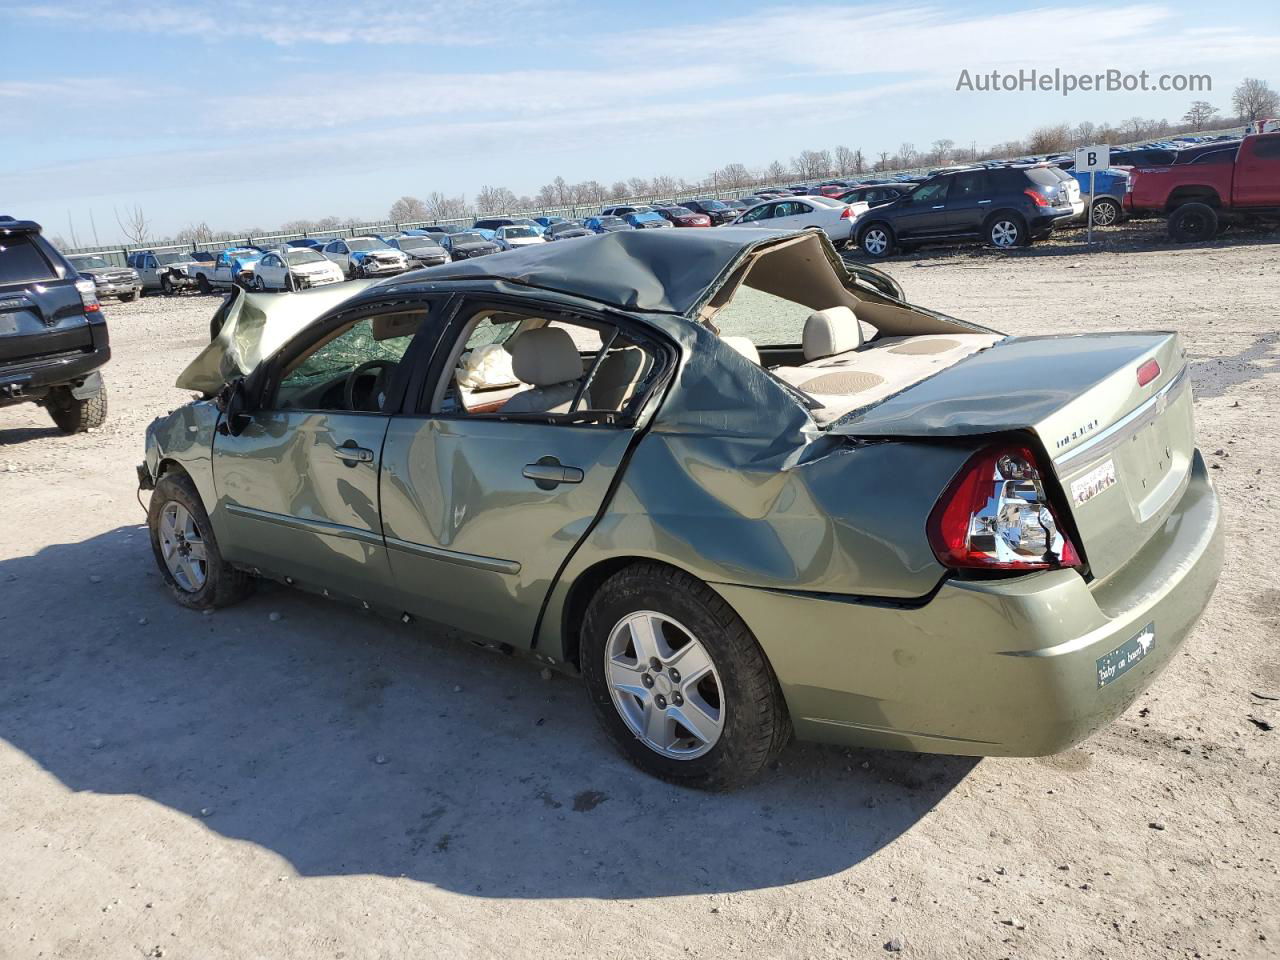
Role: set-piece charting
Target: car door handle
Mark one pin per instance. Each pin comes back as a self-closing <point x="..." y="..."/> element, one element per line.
<point x="353" y="454"/>
<point x="548" y="473"/>
<point x="939" y="206"/>
<point x="981" y="202"/>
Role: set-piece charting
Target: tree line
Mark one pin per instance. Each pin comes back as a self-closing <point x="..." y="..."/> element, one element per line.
<point x="1252" y="100"/>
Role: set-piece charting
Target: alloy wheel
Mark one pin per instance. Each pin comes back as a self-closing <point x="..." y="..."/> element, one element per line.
<point x="664" y="685"/>
<point x="1105" y="213"/>
<point x="1004" y="233"/>
<point x="875" y="241"/>
<point x="183" y="547"/>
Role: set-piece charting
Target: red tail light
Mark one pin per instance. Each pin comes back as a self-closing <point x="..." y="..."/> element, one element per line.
<point x="1148" y="372"/>
<point x="88" y="291"/>
<point x="1037" y="197"/>
<point x="995" y="515"/>
<point x="846" y="213"/>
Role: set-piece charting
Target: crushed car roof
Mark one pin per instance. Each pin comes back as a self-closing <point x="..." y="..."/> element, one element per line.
<point x="653" y="271"/>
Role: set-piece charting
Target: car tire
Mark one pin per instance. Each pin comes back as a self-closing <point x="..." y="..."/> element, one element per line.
<point x="1005" y="231"/>
<point x="259" y="284"/>
<point x="180" y="531"/>
<point x="877" y="240"/>
<point x="1106" y="212"/>
<point x="203" y="284"/>
<point x="166" y="286"/>
<point x="129" y="297"/>
<point x="76" y="415"/>
<point x="733" y="698"/>
<point x="1193" y="223"/>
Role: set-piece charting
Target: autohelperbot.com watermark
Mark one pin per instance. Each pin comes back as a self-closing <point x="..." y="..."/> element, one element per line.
<point x="1065" y="82"/>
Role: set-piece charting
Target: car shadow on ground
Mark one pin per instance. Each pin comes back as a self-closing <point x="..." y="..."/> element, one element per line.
<point x="15" y="435"/>
<point x="352" y="745"/>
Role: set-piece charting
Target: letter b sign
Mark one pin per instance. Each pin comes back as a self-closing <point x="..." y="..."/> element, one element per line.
<point x="1093" y="158"/>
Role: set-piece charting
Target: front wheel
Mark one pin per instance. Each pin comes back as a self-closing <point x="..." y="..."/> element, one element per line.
<point x="203" y="284"/>
<point x="186" y="550"/>
<point x="166" y="286"/>
<point x="130" y="297"/>
<point x="876" y="241"/>
<point x="678" y="681"/>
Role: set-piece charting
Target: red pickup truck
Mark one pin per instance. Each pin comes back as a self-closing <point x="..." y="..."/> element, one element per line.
<point x="1216" y="189"/>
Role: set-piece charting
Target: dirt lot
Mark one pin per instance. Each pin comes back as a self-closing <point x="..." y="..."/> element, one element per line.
<point x="324" y="785"/>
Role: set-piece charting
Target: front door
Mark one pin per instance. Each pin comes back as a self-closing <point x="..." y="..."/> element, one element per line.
<point x="1257" y="172"/>
<point x="486" y="492"/>
<point x="923" y="212"/>
<point x="298" y="486"/>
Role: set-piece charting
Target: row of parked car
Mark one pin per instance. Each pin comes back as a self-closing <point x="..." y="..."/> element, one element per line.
<point x="1190" y="180"/>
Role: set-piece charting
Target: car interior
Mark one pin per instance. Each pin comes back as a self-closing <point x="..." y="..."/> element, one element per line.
<point x="853" y="349"/>
<point x="513" y="363"/>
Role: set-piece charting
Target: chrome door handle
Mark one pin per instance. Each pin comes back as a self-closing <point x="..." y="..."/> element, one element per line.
<point x="353" y="454"/>
<point x="939" y="206"/>
<point x="980" y="202"/>
<point x="548" y="473"/>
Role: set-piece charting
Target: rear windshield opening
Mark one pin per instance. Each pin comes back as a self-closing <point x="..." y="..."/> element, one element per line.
<point x="21" y="261"/>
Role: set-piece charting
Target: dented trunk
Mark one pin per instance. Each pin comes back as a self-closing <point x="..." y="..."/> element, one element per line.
<point x="1116" y="427"/>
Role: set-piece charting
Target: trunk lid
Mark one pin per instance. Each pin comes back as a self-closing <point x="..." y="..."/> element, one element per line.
<point x="1121" y="450"/>
<point x="40" y="308"/>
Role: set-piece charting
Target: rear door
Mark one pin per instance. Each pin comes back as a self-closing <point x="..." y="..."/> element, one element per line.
<point x="1257" y="173"/>
<point x="41" y="314"/>
<point x="481" y="507"/>
<point x="969" y="202"/>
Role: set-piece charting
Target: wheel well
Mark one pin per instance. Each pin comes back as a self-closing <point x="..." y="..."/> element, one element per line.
<point x="584" y="588"/>
<point x="1007" y="214"/>
<point x="1192" y="195"/>
<point x="168" y="466"/>
<point x="862" y="230"/>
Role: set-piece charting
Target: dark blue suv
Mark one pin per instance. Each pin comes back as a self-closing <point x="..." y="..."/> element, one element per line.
<point x="1003" y="206"/>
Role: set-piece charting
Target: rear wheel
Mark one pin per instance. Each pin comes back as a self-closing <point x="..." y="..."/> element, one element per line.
<point x="678" y="681"/>
<point x="1007" y="231"/>
<point x="876" y="240"/>
<point x="129" y="297"/>
<point x="1106" y="212"/>
<point x="186" y="550"/>
<point x="166" y="286"/>
<point x="77" y="414"/>
<point x="202" y="283"/>
<point x="1192" y="223"/>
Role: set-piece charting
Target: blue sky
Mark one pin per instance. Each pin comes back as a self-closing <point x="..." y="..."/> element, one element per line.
<point x="247" y="114"/>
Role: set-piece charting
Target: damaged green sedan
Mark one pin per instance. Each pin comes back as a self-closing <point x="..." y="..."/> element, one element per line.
<point x="743" y="489"/>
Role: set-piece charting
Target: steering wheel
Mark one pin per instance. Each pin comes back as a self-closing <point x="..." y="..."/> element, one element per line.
<point x="385" y="369"/>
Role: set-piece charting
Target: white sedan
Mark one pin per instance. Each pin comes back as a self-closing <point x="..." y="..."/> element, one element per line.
<point x="296" y="268"/>
<point x="517" y="235"/>
<point x="837" y="219"/>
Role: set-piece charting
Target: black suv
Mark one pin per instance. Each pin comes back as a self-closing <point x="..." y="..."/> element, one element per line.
<point x="1003" y="206"/>
<point x="718" y="211"/>
<point x="53" y="337"/>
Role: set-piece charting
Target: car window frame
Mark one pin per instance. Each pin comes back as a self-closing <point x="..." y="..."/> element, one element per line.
<point x="264" y="383"/>
<point x="422" y="392"/>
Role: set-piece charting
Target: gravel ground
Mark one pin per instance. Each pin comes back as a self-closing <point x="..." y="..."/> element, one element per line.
<point x="290" y="778"/>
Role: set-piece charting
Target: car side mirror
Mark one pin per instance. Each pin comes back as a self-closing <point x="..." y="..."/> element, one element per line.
<point x="233" y="402"/>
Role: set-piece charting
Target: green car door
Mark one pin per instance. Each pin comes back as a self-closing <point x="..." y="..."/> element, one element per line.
<point x="297" y="485"/>
<point x="484" y="498"/>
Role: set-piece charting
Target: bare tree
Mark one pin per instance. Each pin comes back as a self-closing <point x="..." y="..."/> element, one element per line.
<point x="71" y="231"/>
<point x="1049" y="139"/>
<point x="812" y="164"/>
<point x="1137" y="127"/>
<point x="859" y="162"/>
<point x="1085" y="132"/>
<point x="618" y="190"/>
<point x="883" y="162"/>
<point x="135" y="225"/>
<point x="1255" y="100"/>
<point x="195" y="233"/>
<point x="908" y="155"/>
<point x="329" y="223"/>
<point x="733" y="175"/>
<point x="495" y="200"/>
<point x="777" y="171"/>
<point x="842" y="160"/>
<point x="942" y="151"/>
<point x="639" y="186"/>
<point x="663" y="185"/>
<point x="1200" y="114"/>
<point x="407" y="209"/>
<point x="440" y="207"/>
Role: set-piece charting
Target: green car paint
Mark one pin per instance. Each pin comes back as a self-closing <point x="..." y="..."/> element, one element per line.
<point x="816" y="536"/>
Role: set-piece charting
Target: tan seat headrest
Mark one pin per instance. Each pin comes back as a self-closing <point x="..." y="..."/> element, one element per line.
<point x="831" y="331"/>
<point x="545" y="356"/>
<point x="744" y="346"/>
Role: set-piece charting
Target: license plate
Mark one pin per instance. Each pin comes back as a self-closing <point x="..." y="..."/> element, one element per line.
<point x="1124" y="657"/>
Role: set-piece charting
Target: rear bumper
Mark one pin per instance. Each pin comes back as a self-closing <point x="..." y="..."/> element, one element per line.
<point x="30" y="379"/>
<point x="996" y="668"/>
